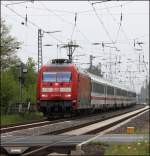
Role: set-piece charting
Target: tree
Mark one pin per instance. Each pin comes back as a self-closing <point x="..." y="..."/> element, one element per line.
<point x="30" y="80"/>
<point x="9" y="90"/>
<point x="10" y="71"/>
<point x="8" y="48"/>
<point x="95" y="70"/>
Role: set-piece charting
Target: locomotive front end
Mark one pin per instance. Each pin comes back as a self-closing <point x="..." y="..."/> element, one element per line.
<point x="56" y="90"/>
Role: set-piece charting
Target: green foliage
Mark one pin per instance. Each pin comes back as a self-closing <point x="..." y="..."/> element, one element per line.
<point x="98" y="143"/>
<point x="30" y="80"/>
<point x="9" y="89"/>
<point x="137" y="148"/>
<point x="10" y="84"/>
<point x="8" y="48"/>
<point x="13" y="119"/>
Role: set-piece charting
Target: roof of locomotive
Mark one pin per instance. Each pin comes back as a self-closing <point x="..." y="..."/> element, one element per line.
<point x="61" y="64"/>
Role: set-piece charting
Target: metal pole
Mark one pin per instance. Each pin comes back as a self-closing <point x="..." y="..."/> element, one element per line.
<point x="70" y="52"/>
<point x="21" y="83"/>
<point x="40" y="57"/>
<point x="146" y="90"/>
<point x="91" y="61"/>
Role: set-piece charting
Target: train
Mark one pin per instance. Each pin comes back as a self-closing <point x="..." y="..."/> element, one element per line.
<point x="63" y="88"/>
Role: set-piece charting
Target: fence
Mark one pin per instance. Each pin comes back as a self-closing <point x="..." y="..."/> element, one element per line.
<point x="21" y="108"/>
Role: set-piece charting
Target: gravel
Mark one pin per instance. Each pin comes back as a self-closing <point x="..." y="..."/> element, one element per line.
<point x="141" y="125"/>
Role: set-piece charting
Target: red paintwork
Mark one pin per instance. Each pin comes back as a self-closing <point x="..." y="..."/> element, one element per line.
<point x="56" y="95"/>
<point x="84" y="90"/>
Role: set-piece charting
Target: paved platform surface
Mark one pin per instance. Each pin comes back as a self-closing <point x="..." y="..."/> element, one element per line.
<point x="122" y="138"/>
<point x="57" y="140"/>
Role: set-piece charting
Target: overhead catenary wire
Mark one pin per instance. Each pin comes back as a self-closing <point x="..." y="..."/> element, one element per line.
<point x="87" y="11"/>
<point x="101" y="22"/>
<point x="15" y="3"/>
<point x="82" y="12"/>
<point x="75" y="19"/>
<point x="120" y="28"/>
<point x="32" y="23"/>
<point x="66" y="21"/>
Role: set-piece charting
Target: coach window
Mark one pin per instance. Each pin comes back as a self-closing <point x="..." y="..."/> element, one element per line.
<point x="110" y="90"/>
<point x="93" y="87"/>
<point x="100" y="88"/>
<point x="118" y="92"/>
<point x="126" y="94"/>
<point x="121" y="92"/>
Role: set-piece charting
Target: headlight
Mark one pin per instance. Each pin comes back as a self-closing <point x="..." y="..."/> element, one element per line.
<point x="44" y="95"/>
<point x="46" y="89"/>
<point x="68" y="89"/>
<point x="68" y="95"/>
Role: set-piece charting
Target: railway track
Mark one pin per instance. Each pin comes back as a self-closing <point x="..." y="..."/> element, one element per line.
<point x="28" y="125"/>
<point x="55" y="121"/>
<point x="27" y="122"/>
<point x="81" y="130"/>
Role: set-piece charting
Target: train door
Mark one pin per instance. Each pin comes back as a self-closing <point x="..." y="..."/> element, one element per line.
<point x="84" y="92"/>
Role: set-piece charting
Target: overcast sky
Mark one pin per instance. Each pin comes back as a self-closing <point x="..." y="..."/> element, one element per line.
<point x="94" y="23"/>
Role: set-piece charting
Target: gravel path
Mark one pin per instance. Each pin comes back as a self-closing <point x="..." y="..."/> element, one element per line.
<point x="141" y="124"/>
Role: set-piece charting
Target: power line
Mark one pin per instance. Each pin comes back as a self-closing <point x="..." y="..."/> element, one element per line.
<point x="79" y="12"/>
<point x="120" y="28"/>
<point x="66" y="21"/>
<point x="56" y="10"/>
<point x="87" y="11"/>
<point x="101" y="22"/>
<point x="32" y="23"/>
<point x="74" y="25"/>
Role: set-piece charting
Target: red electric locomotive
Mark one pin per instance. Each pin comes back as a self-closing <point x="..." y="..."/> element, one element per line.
<point x="62" y="88"/>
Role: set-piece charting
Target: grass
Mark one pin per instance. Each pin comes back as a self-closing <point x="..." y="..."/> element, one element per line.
<point x="134" y="148"/>
<point x="143" y="130"/>
<point x="98" y="143"/>
<point x="138" y="148"/>
<point x="19" y="118"/>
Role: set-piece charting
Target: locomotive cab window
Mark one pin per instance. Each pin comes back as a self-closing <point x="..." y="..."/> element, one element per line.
<point x="56" y="76"/>
<point x="64" y="77"/>
<point x="49" y="76"/>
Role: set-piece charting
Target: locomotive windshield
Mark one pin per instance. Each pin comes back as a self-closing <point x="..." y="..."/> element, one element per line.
<point x="64" y="77"/>
<point x="56" y="76"/>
